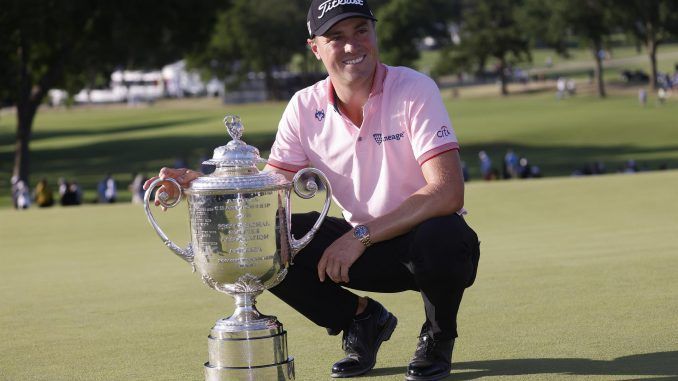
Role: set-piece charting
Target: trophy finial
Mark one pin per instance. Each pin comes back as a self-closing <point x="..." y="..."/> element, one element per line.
<point x="234" y="126"/>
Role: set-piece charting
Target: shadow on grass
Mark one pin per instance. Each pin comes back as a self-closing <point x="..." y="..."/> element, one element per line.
<point x="562" y="160"/>
<point x="127" y="155"/>
<point x="42" y="134"/>
<point x="113" y="129"/>
<point x="664" y="365"/>
<point x="87" y="163"/>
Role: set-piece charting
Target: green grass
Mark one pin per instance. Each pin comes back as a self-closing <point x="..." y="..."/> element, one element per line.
<point x="561" y="136"/>
<point x="577" y="281"/>
<point x="558" y="136"/>
<point x="580" y="61"/>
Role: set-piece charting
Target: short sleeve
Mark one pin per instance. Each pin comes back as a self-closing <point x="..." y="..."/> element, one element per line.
<point x="287" y="152"/>
<point x="430" y="127"/>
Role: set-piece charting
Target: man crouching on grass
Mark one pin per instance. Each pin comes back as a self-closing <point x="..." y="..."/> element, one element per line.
<point x="384" y="139"/>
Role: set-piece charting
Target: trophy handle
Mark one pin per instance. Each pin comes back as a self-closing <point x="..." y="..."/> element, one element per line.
<point x="307" y="190"/>
<point x="186" y="255"/>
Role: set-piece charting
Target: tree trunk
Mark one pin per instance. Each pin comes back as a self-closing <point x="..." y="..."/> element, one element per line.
<point x="598" y="72"/>
<point x="652" y="52"/>
<point x="25" y="115"/>
<point x="30" y="95"/>
<point x="502" y="77"/>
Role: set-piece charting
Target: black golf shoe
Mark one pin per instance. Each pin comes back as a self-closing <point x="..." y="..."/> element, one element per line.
<point x="362" y="340"/>
<point x="432" y="360"/>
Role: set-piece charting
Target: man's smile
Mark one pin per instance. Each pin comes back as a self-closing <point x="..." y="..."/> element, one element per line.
<point x="354" y="61"/>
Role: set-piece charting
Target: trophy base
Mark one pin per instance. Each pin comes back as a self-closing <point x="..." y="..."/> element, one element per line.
<point x="248" y="350"/>
<point x="275" y="372"/>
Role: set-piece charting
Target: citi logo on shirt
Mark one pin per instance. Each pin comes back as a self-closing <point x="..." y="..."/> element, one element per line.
<point x="379" y="139"/>
<point x="443" y="132"/>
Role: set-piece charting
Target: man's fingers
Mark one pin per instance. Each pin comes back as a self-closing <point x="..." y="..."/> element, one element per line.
<point x="344" y="273"/>
<point x="321" y="268"/>
<point x="334" y="271"/>
<point x="166" y="172"/>
<point x="149" y="181"/>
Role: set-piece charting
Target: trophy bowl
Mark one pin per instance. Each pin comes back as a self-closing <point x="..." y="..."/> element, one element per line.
<point x="241" y="245"/>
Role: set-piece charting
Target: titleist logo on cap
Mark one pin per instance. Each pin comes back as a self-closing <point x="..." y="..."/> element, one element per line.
<point x="331" y="4"/>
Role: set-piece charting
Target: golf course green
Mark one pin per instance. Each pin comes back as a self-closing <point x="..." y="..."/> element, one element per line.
<point x="577" y="281"/>
<point x="85" y="143"/>
<point x="577" y="277"/>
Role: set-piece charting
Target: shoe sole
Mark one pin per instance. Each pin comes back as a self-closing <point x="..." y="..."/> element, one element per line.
<point x="434" y="377"/>
<point x="384" y="335"/>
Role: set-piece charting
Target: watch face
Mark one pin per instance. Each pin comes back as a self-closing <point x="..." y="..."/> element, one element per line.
<point x="360" y="231"/>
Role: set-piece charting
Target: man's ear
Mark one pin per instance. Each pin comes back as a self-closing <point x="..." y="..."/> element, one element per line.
<point x="314" y="47"/>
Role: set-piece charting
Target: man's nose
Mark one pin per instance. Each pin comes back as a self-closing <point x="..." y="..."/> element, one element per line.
<point x="350" y="45"/>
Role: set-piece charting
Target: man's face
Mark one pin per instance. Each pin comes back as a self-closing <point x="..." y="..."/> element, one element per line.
<point x="348" y="50"/>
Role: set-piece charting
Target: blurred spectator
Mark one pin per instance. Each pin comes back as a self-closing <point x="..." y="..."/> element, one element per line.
<point x="63" y="187"/>
<point x="107" y="190"/>
<point x="21" y="195"/>
<point x="630" y="167"/>
<point x="561" y="84"/>
<point x="661" y="95"/>
<point x="571" y="87"/>
<point x="596" y="168"/>
<point x="137" y="188"/>
<point x="43" y="194"/>
<point x="464" y="171"/>
<point x="525" y="168"/>
<point x="642" y="97"/>
<point x="511" y="164"/>
<point x="548" y="61"/>
<point x="72" y="194"/>
<point x="180" y="162"/>
<point x="485" y="166"/>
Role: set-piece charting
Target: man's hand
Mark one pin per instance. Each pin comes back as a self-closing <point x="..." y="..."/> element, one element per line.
<point x="339" y="257"/>
<point x="182" y="175"/>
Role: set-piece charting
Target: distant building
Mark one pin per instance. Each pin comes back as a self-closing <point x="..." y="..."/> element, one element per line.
<point x="134" y="86"/>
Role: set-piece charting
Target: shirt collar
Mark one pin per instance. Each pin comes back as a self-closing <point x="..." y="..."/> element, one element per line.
<point x="377" y="86"/>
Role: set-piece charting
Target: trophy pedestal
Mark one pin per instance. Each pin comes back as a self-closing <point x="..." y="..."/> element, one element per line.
<point x="248" y="351"/>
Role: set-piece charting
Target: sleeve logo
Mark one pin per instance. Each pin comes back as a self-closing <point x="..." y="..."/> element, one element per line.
<point x="443" y="132"/>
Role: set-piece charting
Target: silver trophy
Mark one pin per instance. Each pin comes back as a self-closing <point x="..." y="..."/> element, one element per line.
<point x="241" y="245"/>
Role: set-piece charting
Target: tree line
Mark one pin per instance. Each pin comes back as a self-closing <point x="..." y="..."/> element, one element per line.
<point x="69" y="44"/>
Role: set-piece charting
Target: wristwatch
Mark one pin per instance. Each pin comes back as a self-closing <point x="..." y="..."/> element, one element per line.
<point x="362" y="234"/>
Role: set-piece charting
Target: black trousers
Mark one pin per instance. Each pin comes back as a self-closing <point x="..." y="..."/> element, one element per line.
<point x="438" y="258"/>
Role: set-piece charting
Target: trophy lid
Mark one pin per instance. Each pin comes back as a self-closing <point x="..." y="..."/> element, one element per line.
<point x="236" y="165"/>
<point x="236" y="153"/>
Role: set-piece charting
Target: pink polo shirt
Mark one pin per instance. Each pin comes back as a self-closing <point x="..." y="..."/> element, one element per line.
<point x="372" y="168"/>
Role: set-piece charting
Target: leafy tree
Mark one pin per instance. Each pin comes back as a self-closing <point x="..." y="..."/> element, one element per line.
<point x="652" y="22"/>
<point x="488" y="29"/>
<point x="592" y="21"/>
<point x="255" y="35"/>
<point x="403" y="23"/>
<point x="53" y="43"/>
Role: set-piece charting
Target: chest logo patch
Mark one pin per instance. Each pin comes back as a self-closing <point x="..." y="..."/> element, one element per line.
<point x="383" y="139"/>
<point x="320" y="114"/>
